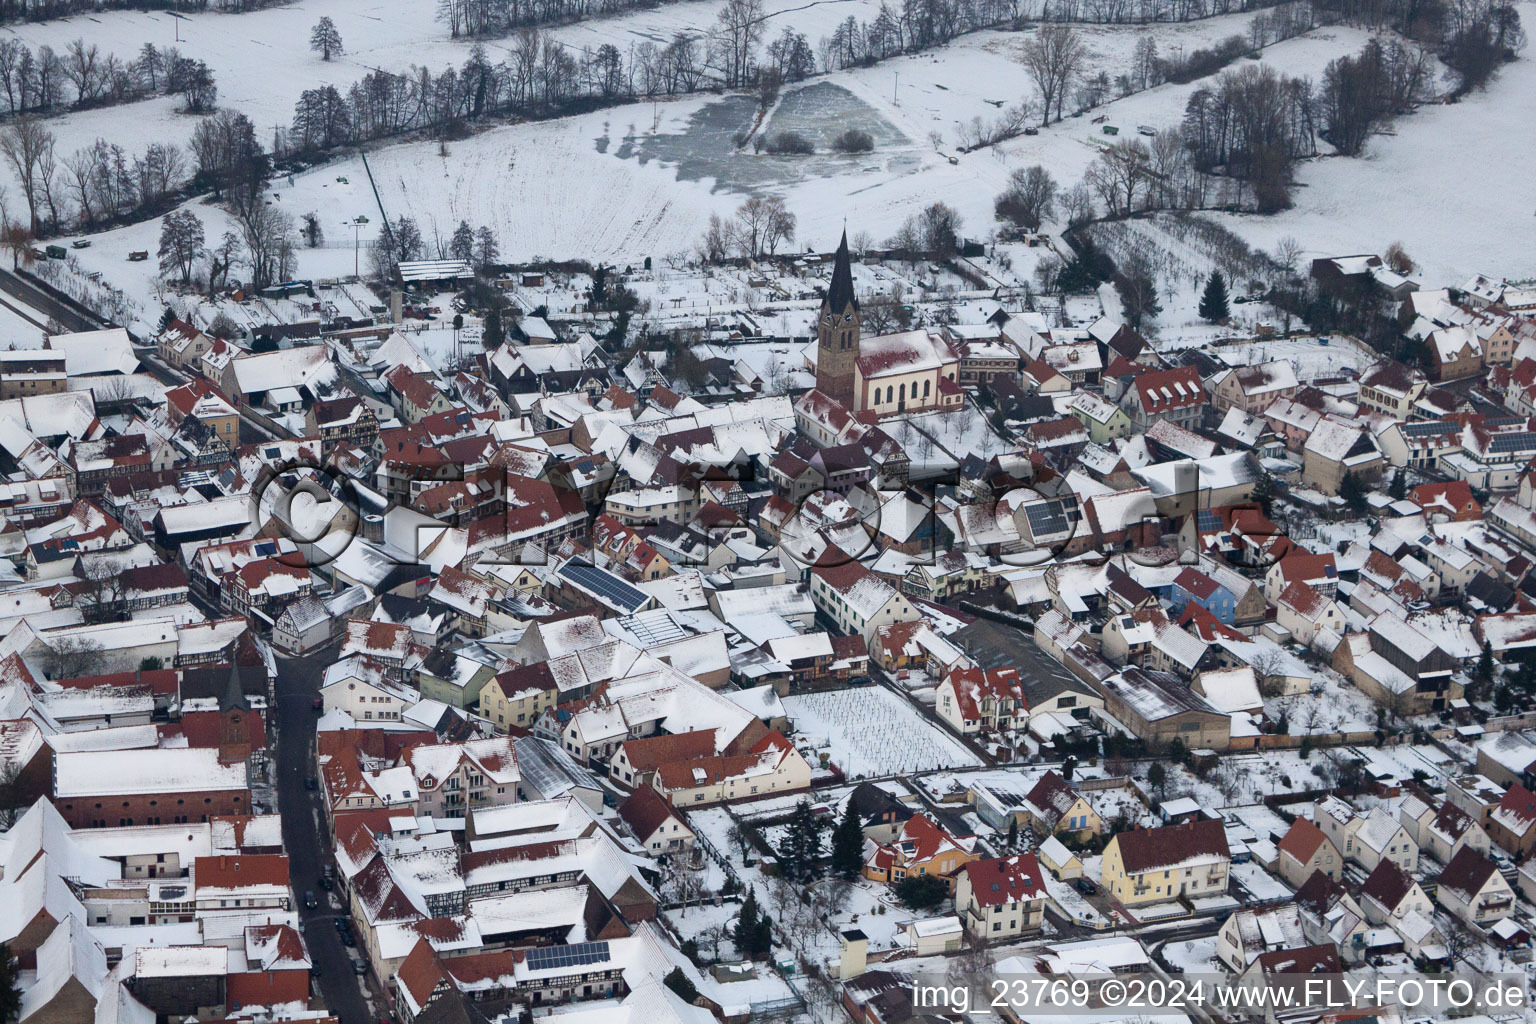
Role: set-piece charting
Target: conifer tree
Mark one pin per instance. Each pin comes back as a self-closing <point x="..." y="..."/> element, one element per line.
<point x="1213" y="302"/>
<point x="848" y="844"/>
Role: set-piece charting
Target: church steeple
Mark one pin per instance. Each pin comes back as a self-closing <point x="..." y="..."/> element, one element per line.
<point x="840" y="294"/>
<point x="837" y="332"/>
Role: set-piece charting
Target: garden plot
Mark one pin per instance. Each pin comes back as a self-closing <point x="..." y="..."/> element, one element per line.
<point x="872" y="732"/>
<point x="1334" y="706"/>
<point x="1183" y="250"/>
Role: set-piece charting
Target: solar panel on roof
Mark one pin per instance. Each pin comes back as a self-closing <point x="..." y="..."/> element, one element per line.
<point x="1207" y="521"/>
<point x="1428" y="427"/>
<point x="555" y="957"/>
<point x="1512" y="442"/>
<point x="603" y="583"/>
<point x="1046" y="517"/>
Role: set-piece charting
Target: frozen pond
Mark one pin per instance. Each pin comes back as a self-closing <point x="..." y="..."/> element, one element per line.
<point x="706" y="149"/>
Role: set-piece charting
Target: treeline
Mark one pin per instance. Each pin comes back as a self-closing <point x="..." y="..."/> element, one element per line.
<point x="83" y="76"/>
<point x="1472" y="37"/>
<point x="95" y="185"/>
<point x="499" y="17"/>
<point x="1250" y="125"/>
<point x="1140" y="12"/>
<point x="45" y="10"/>
<point x="539" y="77"/>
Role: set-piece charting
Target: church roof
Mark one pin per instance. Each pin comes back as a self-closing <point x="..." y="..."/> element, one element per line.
<point x="840" y="294"/>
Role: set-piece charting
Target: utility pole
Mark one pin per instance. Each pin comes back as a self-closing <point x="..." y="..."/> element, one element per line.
<point x="894" y="86"/>
<point x="357" y="227"/>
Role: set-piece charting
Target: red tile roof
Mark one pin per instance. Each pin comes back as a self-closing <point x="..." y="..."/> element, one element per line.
<point x="999" y="880"/>
<point x="1150" y="849"/>
<point x="1303" y="840"/>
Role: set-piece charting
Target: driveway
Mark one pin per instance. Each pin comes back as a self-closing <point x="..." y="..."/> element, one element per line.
<point x="309" y="848"/>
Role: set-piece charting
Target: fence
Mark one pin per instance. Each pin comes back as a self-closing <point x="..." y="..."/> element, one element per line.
<point x="703" y="843"/>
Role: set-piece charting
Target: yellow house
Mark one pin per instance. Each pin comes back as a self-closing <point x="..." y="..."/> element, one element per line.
<point x="1160" y="864"/>
<point x="1055" y="808"/>
<point x="201" y="400"/>
<point x="922" y="847"/>
<point x="514" y="699"/>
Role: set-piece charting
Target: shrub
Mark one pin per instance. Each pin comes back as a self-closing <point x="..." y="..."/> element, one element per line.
<point x="854" y="141"/>
<point x="790" y="143"/>
<point x="920" y="892"/>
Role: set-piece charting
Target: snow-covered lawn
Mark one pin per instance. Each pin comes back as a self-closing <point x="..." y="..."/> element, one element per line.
<point x="1196" y="956"/>
<point x="1260" y="884"/>
<point x="1334" y="706"/>
<point x="870" y="731"/>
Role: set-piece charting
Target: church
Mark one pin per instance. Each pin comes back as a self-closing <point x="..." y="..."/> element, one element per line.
<point x="911" y="371"/>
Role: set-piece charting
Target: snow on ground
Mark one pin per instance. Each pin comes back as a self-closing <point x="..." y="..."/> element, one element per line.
<point x="1196" y="956"/>
<point x="649" y="175"/>
<point x="1452" y="183"/>
<point x="869" y="905"/>
<point x="1071" y="903"/>
<point x="1311" y="357"/>
<point x="261" y="60"/>
<point x="1334" y="705"/>
<point x="1260" y="884"/>
<point x="871" y="731"/>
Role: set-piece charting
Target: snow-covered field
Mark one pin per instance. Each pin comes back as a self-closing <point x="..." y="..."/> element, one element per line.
<point x="641" y="180"/>
<point x="1452" y="183"/>
<point x="871" y="731"/>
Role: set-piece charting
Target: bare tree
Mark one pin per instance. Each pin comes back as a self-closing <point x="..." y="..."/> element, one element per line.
<point x="325" y="39"/>
<point x="18" y="239"/>
<point x="270" y="249"/>
<point x="11" y="796"/>
<point x="685" y="878"/>
<point x="1053" y="58"/>
<point x="1267" y="665"/>
<point x="781" y="224"/>
<point x="26" y="142"/>
<point x="100" y="593"/>
<point x="739" y="28"/>
<point x="1028" y="198"/>
<point x="716" y="243"/>
<point x="1120" y="176"/>
<point x="71" y="657"/>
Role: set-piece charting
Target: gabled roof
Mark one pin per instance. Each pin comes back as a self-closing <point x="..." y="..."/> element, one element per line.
<point x="1161" y="391"/>
<point x="1467" y="873"/>
<point x="999" y="880"/>
<point x="1388" y="884"/>
<point x="1303" y="840"/>
<point x="644" y="811"/>
<point x="1158" y="849"/>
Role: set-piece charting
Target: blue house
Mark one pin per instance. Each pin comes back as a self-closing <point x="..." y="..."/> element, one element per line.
<point x="1194" y="587"/>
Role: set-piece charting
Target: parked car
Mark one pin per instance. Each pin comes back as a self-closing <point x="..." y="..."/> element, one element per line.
<point x="359" y="968"/>
<point x="80" y="243"/>
<point x="317" y="704"/>
<point x="310" y="782"/>
<point x="326" y="883"/>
